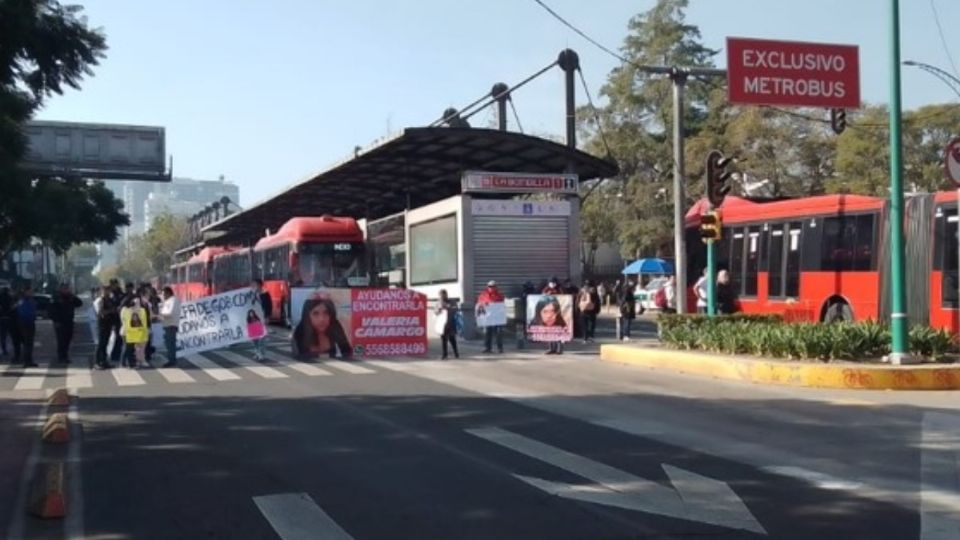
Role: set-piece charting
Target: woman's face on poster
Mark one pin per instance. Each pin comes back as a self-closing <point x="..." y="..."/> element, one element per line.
<point x="320" y="318"/>
<point x="548" y="314"/>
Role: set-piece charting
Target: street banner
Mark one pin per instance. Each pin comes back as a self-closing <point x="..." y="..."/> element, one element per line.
<point x="214" y="322"/>
<point x="492" y="314"/>
<point x="358" y="322"/>
<point x="550" y="317"/>
<point x="767" y="72"/>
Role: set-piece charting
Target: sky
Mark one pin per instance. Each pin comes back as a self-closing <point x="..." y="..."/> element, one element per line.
<point x="267" y="93"/>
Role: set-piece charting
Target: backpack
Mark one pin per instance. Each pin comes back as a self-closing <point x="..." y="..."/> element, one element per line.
<point x="660" y="298"/>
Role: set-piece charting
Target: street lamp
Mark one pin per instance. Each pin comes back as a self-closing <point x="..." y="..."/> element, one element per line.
<point x="946" y="77"/>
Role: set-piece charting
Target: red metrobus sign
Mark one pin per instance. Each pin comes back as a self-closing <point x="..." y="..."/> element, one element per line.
<point x="766" y="72"/>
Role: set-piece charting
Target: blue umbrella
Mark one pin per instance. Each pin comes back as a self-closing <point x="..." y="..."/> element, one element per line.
<point x="649" y="266"/>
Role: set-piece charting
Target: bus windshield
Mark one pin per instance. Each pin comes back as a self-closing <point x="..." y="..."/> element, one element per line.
<point x="341" y="264"/>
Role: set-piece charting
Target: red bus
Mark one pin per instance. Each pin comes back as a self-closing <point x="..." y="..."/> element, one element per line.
<point x="193" y="278"/>
<point x="232" y="270"/>
<point x="825" y="258"/>
<point x="310" y="252"/>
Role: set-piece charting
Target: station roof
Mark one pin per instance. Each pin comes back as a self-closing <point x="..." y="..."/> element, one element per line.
<point x="419" y="166"/>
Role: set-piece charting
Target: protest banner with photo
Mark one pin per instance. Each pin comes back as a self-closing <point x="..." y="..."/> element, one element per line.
<point x="213" y="322"/>
<point x="358" y="322"/>
<point x="494" y="314"/>
<point x="550" y="317"/>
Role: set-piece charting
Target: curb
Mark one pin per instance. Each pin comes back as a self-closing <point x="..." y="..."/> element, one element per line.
<point x="47" y="499"/>
<point x="810" y="375"/>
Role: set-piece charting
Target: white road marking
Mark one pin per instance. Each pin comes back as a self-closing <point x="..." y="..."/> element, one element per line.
<point x="175" y="375"/>
<point x="127" y="377"/>
<point x="78" y="378"/>
<point x="295" y="516"/>
<point x="402" y="366"/>
<point x="251" y="366"/>
<point x="307" y="369"/>
<point x="31" y="379"/>
<point x="820" y="480"/>
<point x="939" y="481"/>
<point x="73" y="524"/>
<point x="349" y="367"/>
<point x="212" y="369"/>
<point x="694" y="497"/>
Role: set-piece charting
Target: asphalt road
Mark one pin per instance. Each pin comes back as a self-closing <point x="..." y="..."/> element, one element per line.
<point x="515" y="446"/>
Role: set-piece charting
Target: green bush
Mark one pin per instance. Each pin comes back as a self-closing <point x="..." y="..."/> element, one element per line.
<point x="768" y="335"/>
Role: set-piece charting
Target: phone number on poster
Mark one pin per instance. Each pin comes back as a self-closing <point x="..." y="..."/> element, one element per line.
<point x="387" y="349"/>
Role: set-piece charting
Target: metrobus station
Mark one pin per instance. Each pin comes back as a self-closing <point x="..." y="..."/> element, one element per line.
<point x="428" y="209"/>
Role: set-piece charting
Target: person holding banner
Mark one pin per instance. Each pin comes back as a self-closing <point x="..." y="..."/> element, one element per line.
<point x="256" y="329"/>
<point x="319" y="331"/>
<point x="136" y="332"/>
<point x="170" y="319"/>
<point x="544" y="306"/>
<point x="489" y="296"/>
<point x="447" y="314"/>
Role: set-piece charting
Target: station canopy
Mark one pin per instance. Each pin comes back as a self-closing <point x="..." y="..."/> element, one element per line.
<point x="414" y="168"/>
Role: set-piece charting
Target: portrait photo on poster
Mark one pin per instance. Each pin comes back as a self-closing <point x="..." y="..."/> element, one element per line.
<point x="550" y="317"/>
<point x="321" y="320"/>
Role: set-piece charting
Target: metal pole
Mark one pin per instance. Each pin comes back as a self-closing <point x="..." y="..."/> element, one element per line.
<point x="680" y="257"/>
<point x="898" y="323"/>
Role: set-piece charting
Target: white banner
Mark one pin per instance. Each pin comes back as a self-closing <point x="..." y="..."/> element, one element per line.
<point x="492" y="314"/>
<point x="214" y="322"/>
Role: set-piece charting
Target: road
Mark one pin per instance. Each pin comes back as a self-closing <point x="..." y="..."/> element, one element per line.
<point x="515" y="446"/>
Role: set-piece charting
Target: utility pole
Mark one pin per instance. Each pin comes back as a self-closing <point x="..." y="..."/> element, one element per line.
<point x="898" y="323"/>
<point x="679" y="76"/>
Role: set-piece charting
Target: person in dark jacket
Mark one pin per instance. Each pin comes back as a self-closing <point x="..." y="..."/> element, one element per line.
<point x="628" y="310"/>
<point x="448" y="308"/>
<point x="25" y="316"/>
<point x="726" y="297"/>
<point x="62" y="313"/>
<point x="588" y="302"/>
<point x="108" y="312"/>
<point x="6" y="318"/>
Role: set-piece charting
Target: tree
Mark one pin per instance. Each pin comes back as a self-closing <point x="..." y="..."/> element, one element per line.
<point x="598" y="222"/>
<point x="45" y="47"/>
<point x="637" y="121"/>
<point x="145" y="256"/>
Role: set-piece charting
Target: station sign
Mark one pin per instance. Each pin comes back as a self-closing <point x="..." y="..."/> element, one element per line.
<point x="791" y="73"/>
<point x="519" y="208"/>
<point x="506" y="182"/>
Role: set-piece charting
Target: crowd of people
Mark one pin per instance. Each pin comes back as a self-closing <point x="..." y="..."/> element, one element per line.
<point x="124" y="317"/>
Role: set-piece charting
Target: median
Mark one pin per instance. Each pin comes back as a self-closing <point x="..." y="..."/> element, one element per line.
<point x="764" y="349"/>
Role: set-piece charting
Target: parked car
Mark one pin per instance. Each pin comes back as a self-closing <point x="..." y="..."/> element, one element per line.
<point x="644" y="294"/>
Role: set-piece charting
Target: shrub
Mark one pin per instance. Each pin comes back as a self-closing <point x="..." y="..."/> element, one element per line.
<point x="768" y="335"/>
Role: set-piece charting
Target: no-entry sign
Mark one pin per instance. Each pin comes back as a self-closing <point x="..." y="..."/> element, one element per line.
<point x="765" y="72"/>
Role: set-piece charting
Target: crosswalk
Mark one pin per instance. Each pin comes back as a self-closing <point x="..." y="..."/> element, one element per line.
<point x="232" y="366"/>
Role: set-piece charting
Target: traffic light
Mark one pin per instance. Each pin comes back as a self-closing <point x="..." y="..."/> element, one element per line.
<point x="838" y="120"/>
<point x="710" y="225"/>
<point x="718" y="177"/>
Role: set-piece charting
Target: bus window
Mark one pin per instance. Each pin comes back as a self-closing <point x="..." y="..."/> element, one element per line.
<point x="775" y="284"/>
<point x="736" y="259"/>
<point x="752" y="262"/>
<point x="792" y="274"/>
<point x="863" y="249"/>
<point x="948" y="247"/>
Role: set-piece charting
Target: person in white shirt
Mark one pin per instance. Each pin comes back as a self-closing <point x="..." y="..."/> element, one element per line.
<point x="670" y="291"/>
<point x="700" y="289"/>
<point x="170" y="319"/>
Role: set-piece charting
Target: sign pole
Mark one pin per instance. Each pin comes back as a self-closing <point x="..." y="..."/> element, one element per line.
<point x="898" y="323"/>
<point x="679" y="198"/>
<point x="711" y="279"/>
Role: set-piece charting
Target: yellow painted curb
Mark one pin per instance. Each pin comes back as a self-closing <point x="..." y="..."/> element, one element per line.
<point x="842" y="376"/>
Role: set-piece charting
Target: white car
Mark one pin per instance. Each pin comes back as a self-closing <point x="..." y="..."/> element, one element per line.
<point x="644" y="295"/>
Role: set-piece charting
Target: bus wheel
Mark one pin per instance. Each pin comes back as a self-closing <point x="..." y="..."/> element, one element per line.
<point x="838" y="311"/>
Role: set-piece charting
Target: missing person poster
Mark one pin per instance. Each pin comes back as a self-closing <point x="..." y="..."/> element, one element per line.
<point x="213" y="322"/>
<point x="358" y="322"/>
<point x="494" y="314"/>
<point x="550" y="317"/>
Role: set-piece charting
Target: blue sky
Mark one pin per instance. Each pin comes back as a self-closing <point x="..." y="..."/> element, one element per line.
<point x="267" y="93"/>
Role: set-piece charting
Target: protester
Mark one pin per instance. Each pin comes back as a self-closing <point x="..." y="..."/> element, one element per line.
<point x="6" y="318"/>
<point x="26" y="322"/>
<point x="106" y="311"/>
<point x="136" y="332"/>
<point x="588" y="301"/>
<point x="628" y="310"/>
<point x="150" y="302"/>
<point x="552" y="289"/>
<point x="700" y="289"/>
<point x="170" y="319"/>
<point x="447" y="309"/>
<point x="602" y="294"/>
<point x="62" y="314"/>
<point x="319" y="331"/>
<point x="266" y="306"/>
<point x="726" y="297"/>
<point x="118" y="301"/>
<point x="491" y="295"/>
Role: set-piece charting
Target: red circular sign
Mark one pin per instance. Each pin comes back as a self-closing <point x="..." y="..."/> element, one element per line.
<point x="951" y="161"/>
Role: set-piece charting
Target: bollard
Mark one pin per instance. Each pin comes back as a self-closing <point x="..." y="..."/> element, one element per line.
<point x="619" y="327"/>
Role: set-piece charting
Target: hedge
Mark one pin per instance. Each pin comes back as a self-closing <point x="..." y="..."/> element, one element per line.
<point x="769" y="336"/>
